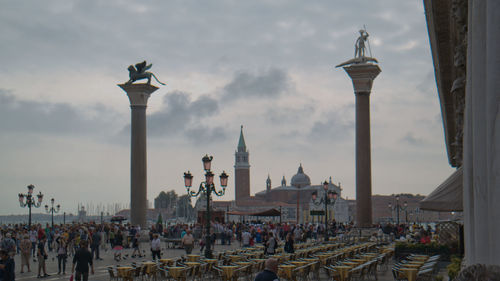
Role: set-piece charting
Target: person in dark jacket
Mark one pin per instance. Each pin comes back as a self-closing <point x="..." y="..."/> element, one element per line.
<point x="7" y="267"/>
<point x="289" y="244"/>
<point x="94" y="246"/>
<point x="82" y="260"/>
<point x="270" y="271"/>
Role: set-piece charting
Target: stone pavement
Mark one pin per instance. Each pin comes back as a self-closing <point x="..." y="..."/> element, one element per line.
<point x="107" y="256"/>
<point x="100" y="265"/>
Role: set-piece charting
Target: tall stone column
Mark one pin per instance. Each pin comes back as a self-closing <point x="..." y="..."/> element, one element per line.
<point x="138" y="95"/>
<point x="362" y="75"/>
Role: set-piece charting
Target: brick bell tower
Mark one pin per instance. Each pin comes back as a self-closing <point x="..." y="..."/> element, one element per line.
<point x="241" y="171"/>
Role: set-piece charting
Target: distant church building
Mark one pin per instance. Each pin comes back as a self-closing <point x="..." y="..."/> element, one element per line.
<point x="282" y="197"/>
<point x="241" y="171"/>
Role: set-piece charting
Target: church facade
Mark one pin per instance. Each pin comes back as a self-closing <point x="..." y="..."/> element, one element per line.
<point x="284" y="197"/>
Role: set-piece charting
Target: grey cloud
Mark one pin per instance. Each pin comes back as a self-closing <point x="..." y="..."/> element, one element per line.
<point x="51" y="118"/>
<point x="268" y="84"/>
<point x="281" y="115"/>
<point x="334" y="126"/>
<point x="411" y="139"/>
<point x="182" y="35"/>
<point x="180" y="115"/>
<point x="427" y="85"/>
<point x="203" y="134"/>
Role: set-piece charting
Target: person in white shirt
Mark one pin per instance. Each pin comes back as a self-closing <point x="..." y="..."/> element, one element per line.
<point x="156" y="246"/>
<point x="245" y="238"/>
<point x="33" y="239"/>
<point x="271" y="244"/>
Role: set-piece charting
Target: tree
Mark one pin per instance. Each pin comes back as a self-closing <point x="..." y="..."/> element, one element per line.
<point x="166" y="200"/>
<point x="184" y="207"/>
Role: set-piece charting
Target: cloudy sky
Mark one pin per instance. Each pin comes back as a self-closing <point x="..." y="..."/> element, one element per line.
<point x="265" y="64"/>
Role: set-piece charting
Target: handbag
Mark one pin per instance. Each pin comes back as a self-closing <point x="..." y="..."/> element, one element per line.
<point x="71" y="277"/>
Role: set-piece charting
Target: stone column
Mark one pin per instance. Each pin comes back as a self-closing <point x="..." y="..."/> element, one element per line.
<point x="362" y="76"/>
<point x="481" y="143"/>
<point x="138" y="95"/>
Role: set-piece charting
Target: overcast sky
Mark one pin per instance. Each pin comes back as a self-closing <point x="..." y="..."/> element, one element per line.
<point x="265" y="64"/>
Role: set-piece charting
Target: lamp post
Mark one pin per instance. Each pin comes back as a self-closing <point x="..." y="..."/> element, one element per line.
<point x="30" y="201"/>
<point x="52" y="210"/>
<point x="329" y="198"/>
<point x="206" y="188"/>
<point x="397" y="207"/>
<point x="280" y="214"/>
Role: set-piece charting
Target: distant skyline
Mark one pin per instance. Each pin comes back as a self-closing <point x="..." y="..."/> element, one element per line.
<point x="266" y="65"/>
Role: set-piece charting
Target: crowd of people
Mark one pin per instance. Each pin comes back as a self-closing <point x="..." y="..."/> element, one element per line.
<point x="33" y="244"/>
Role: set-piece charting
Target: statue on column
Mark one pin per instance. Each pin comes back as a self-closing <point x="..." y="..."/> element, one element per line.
<point x="139" y="72"/>
<point x="360" y="50"/>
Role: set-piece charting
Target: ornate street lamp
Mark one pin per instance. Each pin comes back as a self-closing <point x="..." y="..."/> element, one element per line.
<point x="52" y="210"/>
<point x="30" y="201"/>
<point x="329" y="198"/>
<point x="397" y="207"/>
<point x="206" y="188"/>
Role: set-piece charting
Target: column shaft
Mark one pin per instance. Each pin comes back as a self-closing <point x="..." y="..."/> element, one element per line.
<point x="138" y="166"/>
<point x="363" y="161"/>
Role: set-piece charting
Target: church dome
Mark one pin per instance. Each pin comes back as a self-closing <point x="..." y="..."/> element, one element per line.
<point x="300" y="179"/>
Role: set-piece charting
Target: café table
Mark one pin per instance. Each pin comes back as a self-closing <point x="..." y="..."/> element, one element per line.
<point x="250" y="255"/>
<point x="343" y="271"/>
<point x="235" y="258"/>
<point x="193" y="258"/>
<point x="310" y="260"/>
<point x="125" y="272"/>
<point x="287" y="271"/>
<point x="421" y="259"/>
<point x="167" y="262"/>
<point x="351" y="264"/>
<point x="411" y="265"/>
<point x="229" y="271"/>
<point x="149" y="266"/>
<point x="416" y="262"/>
<point x="177" y="272"/>
<point x="410" y="273"/>
<point x="323" y="258"/>
<point x="299" y="263"/>
<point x="359" y="261"/>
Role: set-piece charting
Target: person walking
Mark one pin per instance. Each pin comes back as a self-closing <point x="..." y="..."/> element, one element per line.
<point x="94" y="246"/>
<point x="118" y="246"/>
<point x="156" y="246"/>
<point x="33" y="238"/>
<point x="135" y="245"/>
<point x="245" y="238"/>
<point x="289" y="244"/>
<point x="25" y="246"/>
<point x="188" y="242"/>
<point x="62" y="254"/>
<point x="42" y="256"/>
<point x="82" y="260"/>
<point x="271" y="244"/>
<point x="270" y="271"/>
<point x="7" y="267"/>
<point x="8" y="244"/>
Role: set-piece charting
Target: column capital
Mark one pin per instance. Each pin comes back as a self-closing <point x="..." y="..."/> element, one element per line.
<point x="138" y="94"/>
<point x="362" y="76"/>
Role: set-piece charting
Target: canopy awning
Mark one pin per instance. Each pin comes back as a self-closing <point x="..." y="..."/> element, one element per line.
<point x="447" y="197"/>
<point x="267" y="213"/>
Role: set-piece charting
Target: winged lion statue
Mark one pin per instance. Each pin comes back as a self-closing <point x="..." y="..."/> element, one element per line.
<point x="139" y="72"/>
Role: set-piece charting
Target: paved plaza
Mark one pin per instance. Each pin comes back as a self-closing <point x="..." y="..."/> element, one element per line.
<point x="100" y="265"/>
<point x="107" y="260"/>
